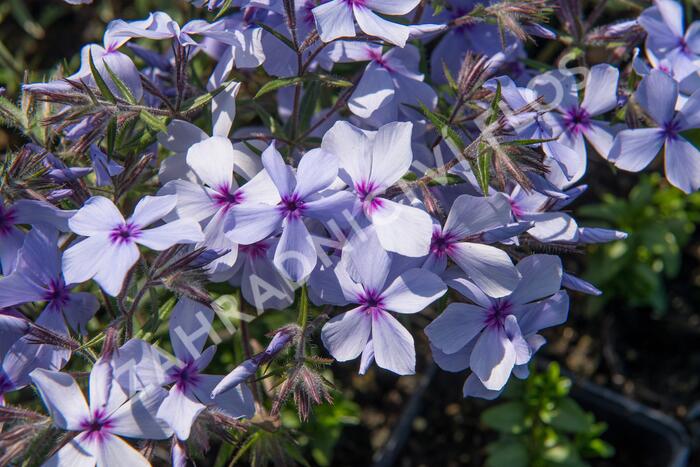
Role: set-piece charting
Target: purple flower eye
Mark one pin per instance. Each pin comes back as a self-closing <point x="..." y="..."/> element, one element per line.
<point x="371" y="300"/>
<point x="97" y="426"/>
<point x="124" y="234"/>
<point x="577" y="119"/>
<point x="57" y="294"/>
<point x="226" y="199"/>
<point x="292" y="206"/>
<point x="497" y="312"/>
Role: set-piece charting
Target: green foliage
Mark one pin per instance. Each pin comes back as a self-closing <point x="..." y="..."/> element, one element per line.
<point x="660" y="221"/>
<point x="540" y="426"/>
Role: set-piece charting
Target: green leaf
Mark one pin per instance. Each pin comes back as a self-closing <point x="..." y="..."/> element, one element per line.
<point x="440" y="122"/>
<point x="278" y="35"/>
<point x="507" y="453"/>
<point x="111" y="136"/>
<point x="12" y="114"/>
<point x="253" y="148"/>
<point x="193" y="105"/>
<point x="330" y="80"/>
<point x="448" y="74"/>
<point x="483" y="162"/>
<point x="693" y="137"/>
<point x="153" y="122"/>
<point x="123" y="88"/>
<point x="600" y="448"/>
<point x="570" y="417"/>
<point x="101" y="85"/>
<point x="494" y="109"/>
<point x="223" y="9"/>
<point x="508" y="417"/>
<point x="277" y="84"/>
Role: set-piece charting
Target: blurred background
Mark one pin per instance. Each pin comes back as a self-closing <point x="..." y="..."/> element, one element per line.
<point x="618" y="385"/>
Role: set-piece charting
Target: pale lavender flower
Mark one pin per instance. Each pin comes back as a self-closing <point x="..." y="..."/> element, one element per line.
<point x="390" y="82"/>
<point x="38" y="278"/>
<point x="118" y="33"/>
<point x="488" y="267"/>
<point x="336" y="19"/>
<point x="363" y="277"/>
<point x="634" y="149"/>
<point x="305" y="194"/>
<point x="575" y="120"/>
<point x="493" y="335"/>
<point x="191" y="390"/>
<point x="110" y="248"/>
<point x="210" y="199"/>
<point x="99" y="425"/>
<point x="667" y="37"/>
<point x="551" y="225"/>
<point x="371" y="162"/>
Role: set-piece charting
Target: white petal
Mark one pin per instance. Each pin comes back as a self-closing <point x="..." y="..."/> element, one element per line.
<point x="488" y="267"/>
<point x="136" y="418"/>
<point x="114" y="265"/>
<point x="223" y="109"/>
<point x="334" y="20"/>
<point x="184" y="231"/>
<point x="413" y="291"/>
<point x="391" y="153"/>
<point x="115" y="452"/>
<point x="98" y="215"/>
<point x="152" y="208"/>
<point x="393" y="344"/>
<point x="62" y="397"/>
<point x="374" y="25"/>
<point x="402" y="229"/>
<point x="346" y="335"/>
<point x="212" y="161"/>
<point x="179" y="410"/>
<point x="82" y="260"/>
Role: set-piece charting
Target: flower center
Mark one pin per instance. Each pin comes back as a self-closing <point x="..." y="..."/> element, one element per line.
<point x="498" y="312"/>
<point x="124" y="233"/>
<point x="98" y="425"/>
<point x="366" y="191"/>
<point x="577" y="119"/>
<point x="57" y="293"/>
<point x="441" y="243"/>
<point x="255" y="250"/>
<point x="377" y="57"/>
<point x="671" y="130"/>
<point x="186" y="376"/>
<point x="371" y="300"/>
<point x="225" y="199"/>
<point x="7" y="220"/>
<point x="515" y="208"/>
<point x="355" y="2"/>
<point x="292" y="206"/>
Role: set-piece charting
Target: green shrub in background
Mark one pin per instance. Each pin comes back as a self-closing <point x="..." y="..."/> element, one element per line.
<point x="660" y="221"/>
<point x="540" y="426"/>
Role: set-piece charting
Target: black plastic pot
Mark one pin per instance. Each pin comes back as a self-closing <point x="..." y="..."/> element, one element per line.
<point x="642" y="436"/>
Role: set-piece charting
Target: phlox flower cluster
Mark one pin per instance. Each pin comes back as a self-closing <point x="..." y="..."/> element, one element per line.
<point x="350" y="163"/>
